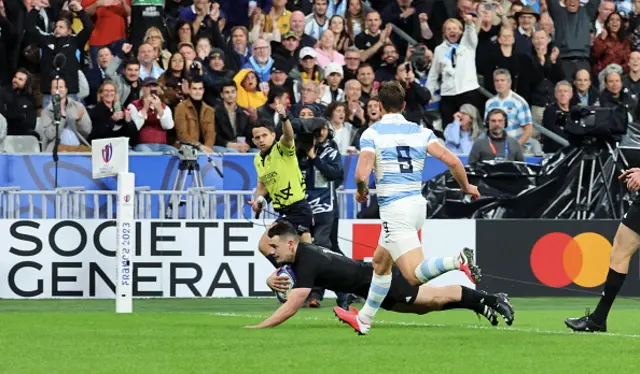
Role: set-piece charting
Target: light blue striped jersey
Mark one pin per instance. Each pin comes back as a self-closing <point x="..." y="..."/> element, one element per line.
<point x="517" y="109"/>
<point x="400" y="147"/>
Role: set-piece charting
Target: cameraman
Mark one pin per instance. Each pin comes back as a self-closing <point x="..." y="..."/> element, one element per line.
<point x="321" y="167"/>
<point x="280" y="179"/>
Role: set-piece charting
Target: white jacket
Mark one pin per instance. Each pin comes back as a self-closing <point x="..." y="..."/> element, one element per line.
<point x="462" y="78"/>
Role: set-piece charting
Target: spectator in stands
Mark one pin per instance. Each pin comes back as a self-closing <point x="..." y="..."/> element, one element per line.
<point x="189" y="53"/>
<point x="545" y="72"/>
<point x="17" y="105"/>
<point x="585" y="94"/>
<point x="248" y="93"/>
<point x="261" y="61"/>
<point x="238" y="11"/>
<point x="74" y="127"/>
<point x="308" y="70"/>
<point x="108" y="117"/>
<point x="612" y="46"/>
<point x="416" y="96"/>
<point x="286" y="52"/>
<point x="128" y="83"/>
<point x="326" y="51"/>
<point x="403" y="14"/>
<point x="465" y="129"/>
<point x="496" y="144"/>
<point x="7" y="38"/>
<point x="216" y="74"/>
<point x="343" y="39"/>
<point x="203" y="48"/>
<point x="153" y="119"/>
<point x="146" y="14"/>
<point x="233" y="124"/>
<point x="546" y="24"/>
<point x="527" y="19"/>
<point x="614" y="94"/>
<point x="64" y="43"/>
<point x="556" y="115"/>
<point x="195" y="120"/>
<point x="453" y="71"/>
<point x="371" y="41"/>
<point x="354" y="18"/>
<point x="343" y="130"/>
<point x="387" y="69"/>
<point x="504" y="56"/>
<point x="631" y="79"/>
<point x="173" y="82"/>
<point x="267" y="112"/>
<point x="279" y="78"/>
<point x="298" y="22"/>
<point x="110" y="24"/>
<point x="519" y="122"/>
<point x="279" y="16"/>
<point x="98" y="74"/>
<point x="352" y="62"/>
<point x="355" y="106"/>
<point x="308" y="112"/>
<point x="606" y="8"/>
<point x="310" y="96"/>
<point x="372" y="115"/>
<point x="317" y="22"/>
<point x="367" y="79"/>
<point x="147" y="58"/>
<point x="154" y="38"/>
<point x="572" y="23"/>
<point x="332" y="91"/>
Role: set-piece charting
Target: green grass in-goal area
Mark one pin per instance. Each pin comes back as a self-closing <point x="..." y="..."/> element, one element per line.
<point x="207" y="336"/>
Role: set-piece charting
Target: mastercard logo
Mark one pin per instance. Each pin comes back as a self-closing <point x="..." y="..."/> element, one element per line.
<point x="558" y="259"/>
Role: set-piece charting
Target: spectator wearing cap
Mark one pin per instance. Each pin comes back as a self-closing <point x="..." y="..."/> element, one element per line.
<point x="279" y="78"/>
<point x="453" y="70"/>
<point x="332" y="91"/>
<point x="74" y="127"/>
<point x="147" y="58"/>
<point x="195" y="120"/>
<point x="249" y="95"/>
<point x="527" y="19"/>
<point x="280" y="16"/>
<point x="216" y="74"/>
<point x="61" y="41"/>
<point x="317" y="22"/>
<point x="463" y="131"/>
<point x="307" y="71"/>
<point x="326" y="51"/>
<point x="153" y="119"/>
<point x="612" y="46"/>
<point x="387" y="69"/>
<point x="298" y="26"/>
<point x="572" y="24"/>
<point x="286" y="52"/>
<point x="261" y="61"/>
<point x="233" y="123"/>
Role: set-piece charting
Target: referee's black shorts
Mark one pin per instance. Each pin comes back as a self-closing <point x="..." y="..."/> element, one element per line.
<point x="631" y="218"/>
<point x="400" y="292"/>
<point x="299" y="215"/>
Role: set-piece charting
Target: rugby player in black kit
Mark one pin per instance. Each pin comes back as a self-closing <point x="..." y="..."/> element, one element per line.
<point x="317" y="266"/>
<point x="625" y="244"/>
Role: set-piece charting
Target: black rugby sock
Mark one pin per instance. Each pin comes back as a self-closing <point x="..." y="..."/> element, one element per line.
<point x="470" y="295"/>
<point x="612" y="286"/>
<point x="476" y="307"/>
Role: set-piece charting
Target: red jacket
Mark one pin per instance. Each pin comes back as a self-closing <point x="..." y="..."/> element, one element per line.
<point x="151" y="132"/>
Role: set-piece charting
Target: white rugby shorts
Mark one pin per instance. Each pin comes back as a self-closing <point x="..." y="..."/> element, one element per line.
<point x="401" y="221"/>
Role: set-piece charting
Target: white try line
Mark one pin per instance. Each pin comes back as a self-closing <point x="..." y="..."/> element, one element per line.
<point x="420" y="324"/>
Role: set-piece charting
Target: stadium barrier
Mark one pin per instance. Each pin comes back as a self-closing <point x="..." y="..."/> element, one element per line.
<point x="199" y="258"/>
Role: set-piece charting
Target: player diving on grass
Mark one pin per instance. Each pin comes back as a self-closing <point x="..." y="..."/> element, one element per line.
<point x="315" y="266"/>
<point x="397" y="150"/>
<point x="625" y="244"/>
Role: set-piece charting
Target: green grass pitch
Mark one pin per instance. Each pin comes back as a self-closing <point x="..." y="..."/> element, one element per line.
<point x="207" y="336"/>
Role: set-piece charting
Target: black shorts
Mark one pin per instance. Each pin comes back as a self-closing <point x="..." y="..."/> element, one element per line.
<point x="631" y="218"/>
<point x="400" y="292"/>
<point x="299" y="215"/>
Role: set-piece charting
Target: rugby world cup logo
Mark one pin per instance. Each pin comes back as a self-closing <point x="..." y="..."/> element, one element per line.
<point x="107" y="152"/>
<point x="558" y="259"/>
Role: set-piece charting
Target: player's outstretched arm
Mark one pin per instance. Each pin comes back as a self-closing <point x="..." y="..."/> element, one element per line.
<point x="454" y="164"/>
<point x="287" y="128"/>
<point x="295" y="301"/>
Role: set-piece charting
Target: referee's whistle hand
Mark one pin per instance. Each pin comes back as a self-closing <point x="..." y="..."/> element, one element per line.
<point x="255" y="206"/>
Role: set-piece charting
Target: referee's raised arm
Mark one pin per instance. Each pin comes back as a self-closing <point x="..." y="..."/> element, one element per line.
<point x="287" y="129"/>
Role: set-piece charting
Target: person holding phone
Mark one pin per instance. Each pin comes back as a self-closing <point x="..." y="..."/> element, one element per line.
<point x="108" y="118"/>
<point x="152" y="119"/>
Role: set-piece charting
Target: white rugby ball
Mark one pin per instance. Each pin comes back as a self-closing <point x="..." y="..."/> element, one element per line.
<point x="286" y="271"/>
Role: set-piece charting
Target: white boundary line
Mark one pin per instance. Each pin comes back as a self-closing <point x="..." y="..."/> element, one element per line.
<point x="475" y="327"/>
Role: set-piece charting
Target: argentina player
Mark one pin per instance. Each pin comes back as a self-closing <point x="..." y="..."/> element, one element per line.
<point x="397" y="150"/>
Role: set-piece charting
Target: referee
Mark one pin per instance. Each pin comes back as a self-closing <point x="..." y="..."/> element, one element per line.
<point x="280" y="179"/>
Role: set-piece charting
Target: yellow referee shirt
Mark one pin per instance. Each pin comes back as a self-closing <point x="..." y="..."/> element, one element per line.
<point x="278" y="170"/>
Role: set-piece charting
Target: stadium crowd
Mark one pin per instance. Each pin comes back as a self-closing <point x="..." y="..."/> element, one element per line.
<point x="162" y="71"/>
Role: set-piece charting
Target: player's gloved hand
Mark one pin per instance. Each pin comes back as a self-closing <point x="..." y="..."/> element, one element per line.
<point x="278" y="283"/>
<point x="471" y="190"/>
